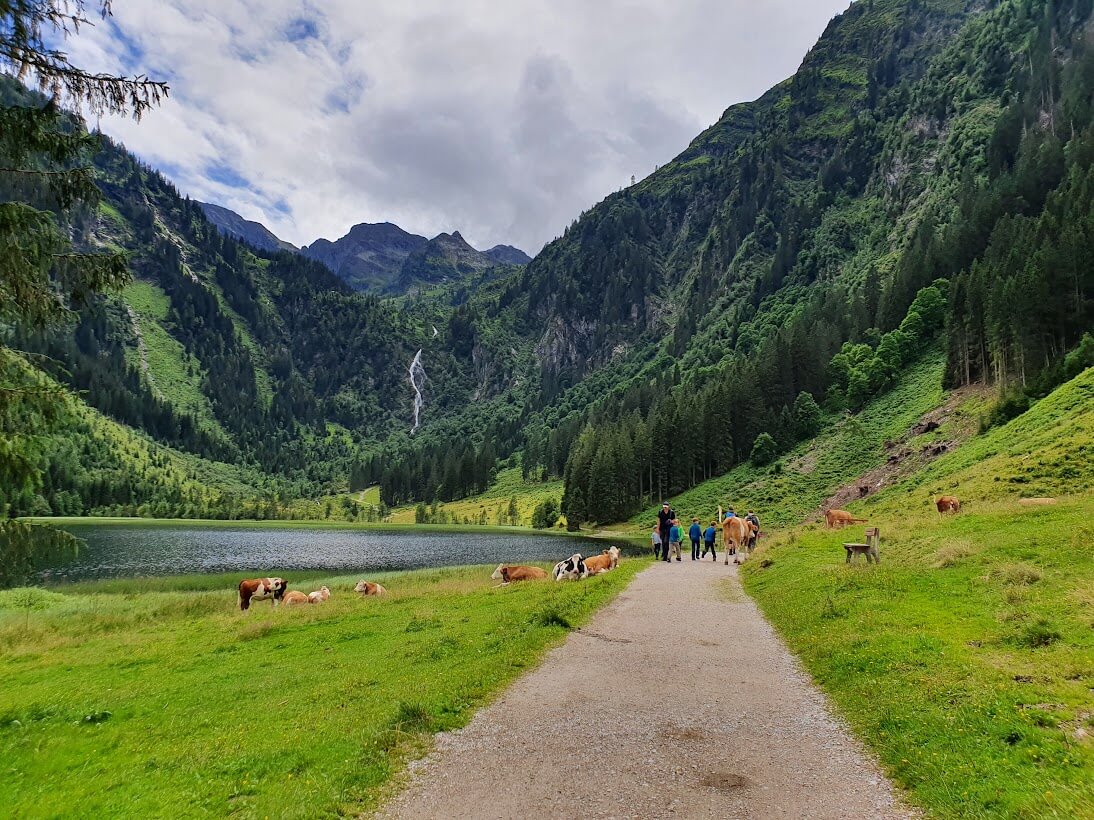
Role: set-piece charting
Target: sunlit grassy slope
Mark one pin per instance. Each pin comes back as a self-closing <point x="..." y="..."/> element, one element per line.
<point x="966" y="658"/>
<point x="785" y="493"/>
<point x="509" y="484"/>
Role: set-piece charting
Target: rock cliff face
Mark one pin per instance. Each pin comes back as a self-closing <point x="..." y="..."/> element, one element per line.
<point x="383" y="258"/>
<point x="370" y="257"/>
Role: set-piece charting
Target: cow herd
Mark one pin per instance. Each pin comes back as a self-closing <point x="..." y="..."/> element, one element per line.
<point x="276" y="590"/>
<point x="573" y="568"/>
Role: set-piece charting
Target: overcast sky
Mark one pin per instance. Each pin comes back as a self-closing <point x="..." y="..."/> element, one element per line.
<point x="502" y="119"/>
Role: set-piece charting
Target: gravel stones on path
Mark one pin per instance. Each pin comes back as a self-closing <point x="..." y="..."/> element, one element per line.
<point x="677" y="700"/>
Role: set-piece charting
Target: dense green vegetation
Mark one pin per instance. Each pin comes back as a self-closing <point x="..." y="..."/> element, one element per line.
<point x="124" y="697"/>
<point x="966" y="657"/>
<point x="924" y="172"/>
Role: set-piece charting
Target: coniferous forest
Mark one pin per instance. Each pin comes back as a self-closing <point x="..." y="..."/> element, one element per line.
<point x="923" y="182"/>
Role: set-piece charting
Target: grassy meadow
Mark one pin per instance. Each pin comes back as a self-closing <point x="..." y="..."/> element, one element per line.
<point x="966" y="658"/>
<point x="508" y="484"/>
<point x="123" y="698"/>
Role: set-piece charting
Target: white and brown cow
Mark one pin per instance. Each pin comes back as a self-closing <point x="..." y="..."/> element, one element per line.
<point x="572" y="569"/>
<point x="260" y="589"/>
<point x="614" y="554"/>
<point x="320" y="595"/>
<point x="364" y="588"/>
<point x="508" y="575"/>
<point x="598" y="564"/>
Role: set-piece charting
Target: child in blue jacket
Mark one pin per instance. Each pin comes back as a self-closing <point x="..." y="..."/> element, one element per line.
<point x="676" y="535"/>
<point x="709" y="535"/>
<point x="696" y="535"/>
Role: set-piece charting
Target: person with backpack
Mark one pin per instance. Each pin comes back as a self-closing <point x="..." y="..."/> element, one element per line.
<point x="709" y="535"/>
<point x="696" y="535"/>
<point x="755" y="522"/>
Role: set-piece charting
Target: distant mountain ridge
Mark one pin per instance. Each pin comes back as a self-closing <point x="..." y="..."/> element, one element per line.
<point x="253" y="233"/>
<point x="377" y="257"/>
<point x="383" y="258"/>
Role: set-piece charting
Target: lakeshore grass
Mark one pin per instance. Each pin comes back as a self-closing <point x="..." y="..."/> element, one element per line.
<point x="122" y="698"/>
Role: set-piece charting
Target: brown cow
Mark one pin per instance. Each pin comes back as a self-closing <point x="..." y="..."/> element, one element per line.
<point x="509" y="574"/>
<point x="599" y="563"/>
<point x="737" y="533"/>
<point x="840" y="518"/>
<point x="293" y="597"/>
<point x="948" y="503"/>
<point x="369" y="588"/>
<point x="260" y="589"/>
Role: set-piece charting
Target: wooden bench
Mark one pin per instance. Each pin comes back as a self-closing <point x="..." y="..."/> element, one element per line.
<point x="869" y="549"/>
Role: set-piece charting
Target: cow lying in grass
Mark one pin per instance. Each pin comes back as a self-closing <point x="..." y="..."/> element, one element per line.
<point x="365" y="588"/>
<point x="295" y="598"/>
<point x="260" y="589"/>
<point x="320" y="595"/>
<point x="508" y="575"/>
<point x="572" y="569"/>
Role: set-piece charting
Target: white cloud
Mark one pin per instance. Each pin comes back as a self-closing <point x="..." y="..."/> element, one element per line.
<point x="502" y="120"/>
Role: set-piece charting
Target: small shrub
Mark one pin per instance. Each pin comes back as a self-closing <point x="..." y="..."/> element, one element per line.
<point x="1021" y="574"/>
<point x="551" y="616"/>
<point x="545" y="514"/>
<point x="412" y="717"/>
<point x="1038" y="634"/>
<point x="764" y="450"/>
<point x="951" y="555"/>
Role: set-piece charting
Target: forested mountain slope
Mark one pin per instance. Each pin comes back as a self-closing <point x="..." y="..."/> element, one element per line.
<point x="926" y="171"/>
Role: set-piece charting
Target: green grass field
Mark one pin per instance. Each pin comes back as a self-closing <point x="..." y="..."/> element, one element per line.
<point x="508" y="484"/>
<point x="120" y="700"/>
<point x="966" y="658"/>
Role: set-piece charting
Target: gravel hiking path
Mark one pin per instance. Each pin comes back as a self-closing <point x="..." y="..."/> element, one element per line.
<point x="677" y="700"/>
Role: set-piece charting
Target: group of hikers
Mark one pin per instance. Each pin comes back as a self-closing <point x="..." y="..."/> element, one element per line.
<point x="668" y="534"/>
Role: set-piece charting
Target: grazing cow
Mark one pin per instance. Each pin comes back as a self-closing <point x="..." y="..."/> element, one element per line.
<point x="840" y="518"/>
<point x="948" y="503"/>
<point x="509" y="574"/>
<point x="369" y="588"/>
<point x="615" y="554"/>
<point x="572" y="569"/>
<point x="737" y="534"/>
<point x="598" y="563"/>
<point x="320" y="595"/>
<point x="292" y="598"/>
<point x="260" y="589"/>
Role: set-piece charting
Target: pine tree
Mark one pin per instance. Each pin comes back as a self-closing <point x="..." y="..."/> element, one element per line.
<point x="45" y="174"/>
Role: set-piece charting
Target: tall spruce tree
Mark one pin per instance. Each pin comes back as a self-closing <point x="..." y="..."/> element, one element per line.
<point x="45" y="175"/>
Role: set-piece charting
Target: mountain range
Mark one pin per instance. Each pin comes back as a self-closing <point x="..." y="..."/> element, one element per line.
<point x="929" y="167"/>
<point x="378" y="257"/>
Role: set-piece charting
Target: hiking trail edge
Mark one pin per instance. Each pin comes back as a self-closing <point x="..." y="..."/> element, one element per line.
<point x="676" y="700"/>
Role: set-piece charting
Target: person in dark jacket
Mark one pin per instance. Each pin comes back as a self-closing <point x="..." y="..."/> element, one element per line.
<point x="664" y="523"/>
<point x="709" y="534"/>
<point x="755" y="522"/>
<point x="696" y="535"/>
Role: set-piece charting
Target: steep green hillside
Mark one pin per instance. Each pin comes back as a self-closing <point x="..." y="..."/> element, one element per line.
<point x="966" y="658"/>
